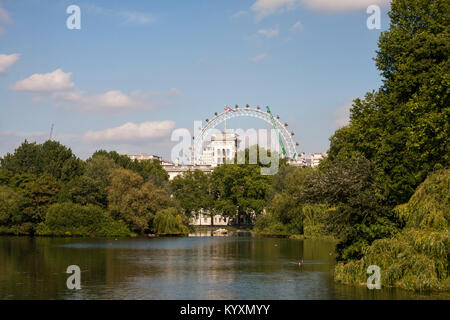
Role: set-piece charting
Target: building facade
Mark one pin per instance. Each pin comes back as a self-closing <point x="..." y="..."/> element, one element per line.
<point x="144" y="156"/>
<point x="316" y="158"/>
<point x="221" y="149"/>
<point x="203" y="219"/>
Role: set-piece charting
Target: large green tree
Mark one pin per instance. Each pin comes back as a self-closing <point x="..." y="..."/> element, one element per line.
<point x="287" y="203"/>
<point x="134" y="201"/>
<point x="193" y="191"/>
<point x="349" y="184"/>
<point x="38" y="196"/>
<point x="51" y="157"/>
<point x="240" y="190"/>
<point x="84" y="190"/>
<point x="149" y="170"/>
<point x="404" y="126"/>
<point x="99" y="168"/>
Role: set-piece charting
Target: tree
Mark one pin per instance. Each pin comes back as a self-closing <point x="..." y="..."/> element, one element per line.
<point x="12" y="219"/>
<point x="193" y="192"/>
<point x="19" y="181"/>
<point x="100" y="167"/>
<point x="361" y="216"/>
<point x="39" y="195"/>
<point x="151" y="170"/>
<point x="147" y="169"/>
<point x="5" y="176"/>
<point x="287" y="204"/>
<point x="417" y="257"/>
<point x="84" y="190"/>
<point x="133" y="201"/>
<point x="404" y="126"/>
<point x="25" y="159"/>
<point x="169" y="222"/>
<point x="50" y="157"/>
<point x="240" y="190"/>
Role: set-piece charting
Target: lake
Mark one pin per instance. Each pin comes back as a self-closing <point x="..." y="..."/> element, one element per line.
<point x="177" y="268"/>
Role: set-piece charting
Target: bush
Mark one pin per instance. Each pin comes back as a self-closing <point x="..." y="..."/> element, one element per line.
<point x="70" y="219"/>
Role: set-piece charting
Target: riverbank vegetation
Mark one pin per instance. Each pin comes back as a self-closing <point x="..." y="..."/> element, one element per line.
<point x="402" y="129"/>
<point x="416" y="257"/>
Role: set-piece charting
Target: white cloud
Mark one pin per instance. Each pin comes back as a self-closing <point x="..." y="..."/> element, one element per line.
<point x="297" y="27"/>
<point x="65" y="95"/>
<point x="259" y="57"/>
<point x="4" y="16"/>
<point x="7" y="60"/>
<point x="342" y="5"/>
<point x="269" y="33"/>
<point x="132" y="17"/>
<point x="239" y="14"/>
<point x="126" y="17"/>
<point x="263" y="8"/>
<point x="114" y="100"/>
<point x="48" y="82"/>
<point x="130" y="132"/>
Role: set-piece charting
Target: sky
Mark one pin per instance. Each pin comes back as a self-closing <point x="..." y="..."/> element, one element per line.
<point x="138" y="70"/>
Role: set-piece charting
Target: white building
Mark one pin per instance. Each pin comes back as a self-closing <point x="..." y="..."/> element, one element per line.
<point x="143" y="156"/>
<point x="316" y="158"/>
<point x="174" y="170"/>
<point x="221" y="149"/>
<point x="203" y="219"/>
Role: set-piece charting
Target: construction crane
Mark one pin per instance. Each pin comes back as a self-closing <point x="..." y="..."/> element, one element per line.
<point x="276" y="128"/>
<point x="51" y="132"/>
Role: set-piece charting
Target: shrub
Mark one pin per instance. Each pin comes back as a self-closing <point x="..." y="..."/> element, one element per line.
<point x="70" y="219"/>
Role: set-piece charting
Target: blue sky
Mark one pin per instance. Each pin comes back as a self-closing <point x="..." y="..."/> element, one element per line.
<point x="137" y="70"/>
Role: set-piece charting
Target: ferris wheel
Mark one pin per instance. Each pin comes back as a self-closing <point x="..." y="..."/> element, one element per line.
<point x="285" y="140"/>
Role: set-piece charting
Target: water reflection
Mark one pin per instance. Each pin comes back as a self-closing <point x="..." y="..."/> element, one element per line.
<point x="176" y="268"/>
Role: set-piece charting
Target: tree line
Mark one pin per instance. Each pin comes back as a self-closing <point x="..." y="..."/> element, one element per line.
<point x="46" y="190"/>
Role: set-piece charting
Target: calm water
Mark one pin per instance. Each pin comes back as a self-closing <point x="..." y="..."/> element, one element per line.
<point x="176" y="268"/>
